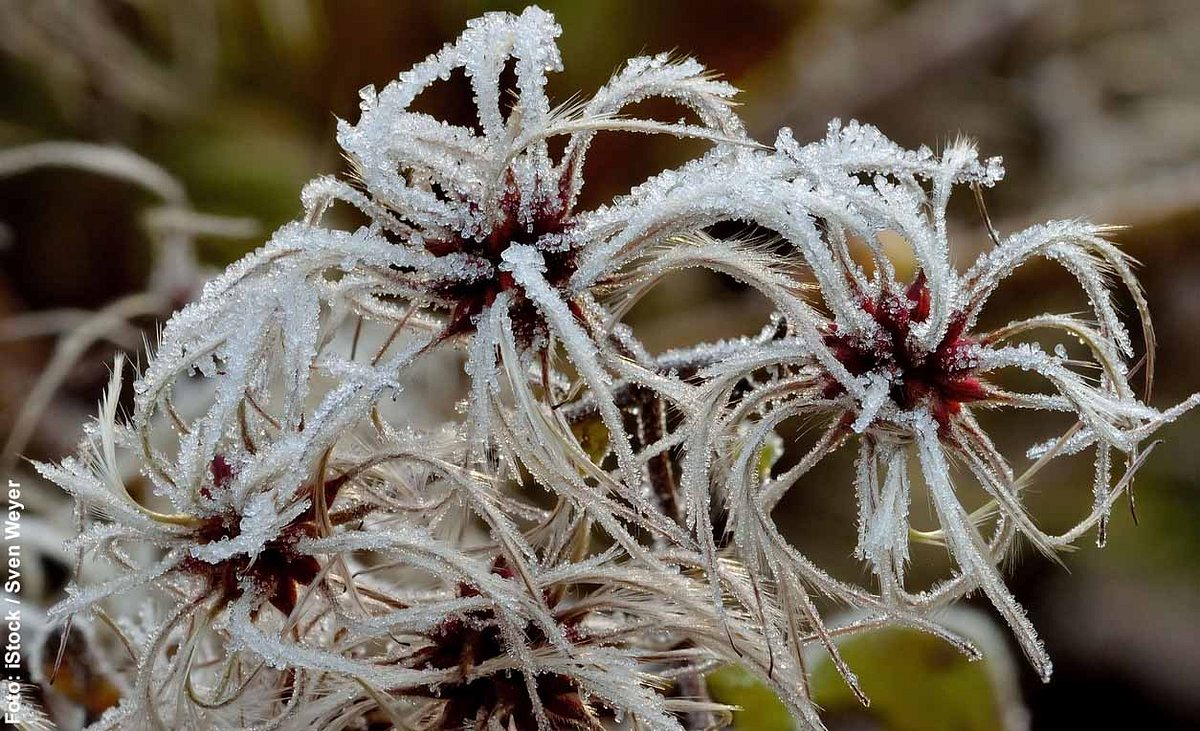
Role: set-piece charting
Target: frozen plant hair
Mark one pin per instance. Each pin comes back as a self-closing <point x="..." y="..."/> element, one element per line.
<point x="590" y="531"/>
<point x="897" y="367"/>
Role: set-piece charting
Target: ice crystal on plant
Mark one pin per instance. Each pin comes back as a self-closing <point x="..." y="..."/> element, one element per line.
<point x="582" y="541"/>
<point x="466" y="196"/>
<point x="897" y="367"/>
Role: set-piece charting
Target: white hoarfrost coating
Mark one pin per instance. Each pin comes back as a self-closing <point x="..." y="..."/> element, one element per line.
<point x="591" y="525"/>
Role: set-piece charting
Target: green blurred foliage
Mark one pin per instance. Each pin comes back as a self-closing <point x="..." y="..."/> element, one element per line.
<point x="758" y="707"/>
<point x="915" y="682"/>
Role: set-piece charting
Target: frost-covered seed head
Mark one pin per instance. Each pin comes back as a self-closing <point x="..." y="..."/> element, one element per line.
<point x="940" y="380"/>
<point x="467" y="195"/>
<point x="312" y="543"/>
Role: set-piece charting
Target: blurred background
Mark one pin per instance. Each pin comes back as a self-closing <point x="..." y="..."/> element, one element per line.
<point x="1093" y="104"/>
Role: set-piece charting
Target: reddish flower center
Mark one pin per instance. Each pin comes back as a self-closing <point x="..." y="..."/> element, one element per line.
<point x="470" y="298"/>
<point x="467" y="640"/>
<point x="944" y="378"/>
<point x="279" y="568"/>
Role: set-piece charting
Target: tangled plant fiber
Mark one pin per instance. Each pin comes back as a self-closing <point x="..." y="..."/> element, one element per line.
<point x="306" y="545"/>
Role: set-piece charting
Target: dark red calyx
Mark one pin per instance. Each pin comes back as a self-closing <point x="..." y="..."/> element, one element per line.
<point x="222" y="474"/>
<point x="944" y="379"/>
<point x="469" y="639"/>
<point x="918" y="294"/>
<point x="469" y="299"/>
<point x="279" y="568"/>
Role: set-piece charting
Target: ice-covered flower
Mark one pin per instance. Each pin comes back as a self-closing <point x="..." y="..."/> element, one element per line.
<point x="466" y="196"/>
<point x="489" y="216"/>
<point x="196" y="552"/>
<point x="900" y="368"/>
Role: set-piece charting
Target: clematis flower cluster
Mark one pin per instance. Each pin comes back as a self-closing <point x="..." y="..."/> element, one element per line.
<point x="584" y="528"/>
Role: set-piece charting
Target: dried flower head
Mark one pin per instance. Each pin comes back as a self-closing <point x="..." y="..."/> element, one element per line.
<point x="581" y="542"/>
<point x="898" y="367"/>
<point x="466" y="196"/>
